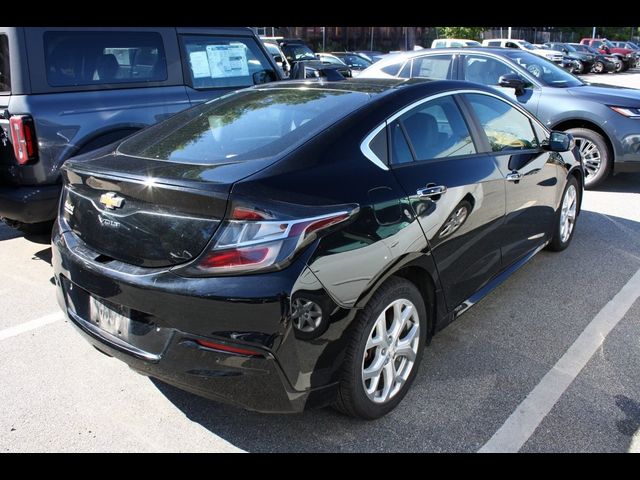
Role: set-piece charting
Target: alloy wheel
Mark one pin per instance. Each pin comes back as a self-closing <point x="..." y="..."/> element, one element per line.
<point x="391" y="350"/>
<point x="591" y="157"/>
<point x="568" y="213"/>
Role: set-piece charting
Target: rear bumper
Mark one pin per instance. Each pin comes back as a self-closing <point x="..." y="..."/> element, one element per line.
<point x="30" y="204"/>
<point x="169" y="314"/>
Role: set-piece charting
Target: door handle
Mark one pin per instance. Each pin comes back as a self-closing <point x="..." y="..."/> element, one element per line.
<point x="432" y="191"/>
<point x="514" y="177"/>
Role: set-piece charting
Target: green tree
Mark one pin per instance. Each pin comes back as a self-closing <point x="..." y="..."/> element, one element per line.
<point x="471" y="33"/>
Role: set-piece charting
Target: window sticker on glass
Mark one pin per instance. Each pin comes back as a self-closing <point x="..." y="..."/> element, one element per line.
<point x="199" y="64"/>
<point x="227" y="61"/>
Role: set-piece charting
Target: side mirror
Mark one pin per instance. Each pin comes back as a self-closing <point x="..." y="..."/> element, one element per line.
<point x="512" y="80"/>
<point x="264" y="76"/>
<point x="559" y="142"/>
<point x="565" y="50"/>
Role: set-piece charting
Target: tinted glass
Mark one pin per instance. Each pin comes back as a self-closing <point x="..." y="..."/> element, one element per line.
<point x="298" y="52"/>
<point x="400" y="151"/>
<point x="223" y="62"/>
<point x="5" y="74"/>
<point x="433" y="66"/>
<point x="378" y="145"/>
<point x="393" y="69"/>
<point x="356" y="60"/>
<point x="94" y="58"/>
<point x="244" y="125"/>
<point x="506" y="128"/>
<point x="406" y="71"/>
<point x="437" y="129"/>
<point x="485" y="70"/>
<point x="331" y="60"/>
<point x="548" y="73"/>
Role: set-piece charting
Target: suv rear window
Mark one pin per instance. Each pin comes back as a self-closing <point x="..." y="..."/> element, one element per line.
<point x="5" y="74"/>
<point x="95" y="58"/>
<point x="246" y="125"/>
<point x="223" y="62"/>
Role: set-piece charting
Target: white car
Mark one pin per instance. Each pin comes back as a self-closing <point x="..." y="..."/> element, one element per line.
<point x="553" y="55"/>
<point x="454" y="43"/>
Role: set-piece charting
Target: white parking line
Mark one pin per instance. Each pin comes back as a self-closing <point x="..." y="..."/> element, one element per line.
<point x="32" y="325"/>
<point x="521" y="424"/>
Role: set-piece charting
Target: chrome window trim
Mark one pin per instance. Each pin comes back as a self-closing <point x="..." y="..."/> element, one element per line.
<point x="366" y="149"/>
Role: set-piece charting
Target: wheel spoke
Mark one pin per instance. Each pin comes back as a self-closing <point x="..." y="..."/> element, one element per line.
<point x="388" y="379"/>
<point x="407" y="352"/>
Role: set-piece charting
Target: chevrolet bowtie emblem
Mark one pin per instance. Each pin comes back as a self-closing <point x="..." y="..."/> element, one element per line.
<point x="111" y="200"/>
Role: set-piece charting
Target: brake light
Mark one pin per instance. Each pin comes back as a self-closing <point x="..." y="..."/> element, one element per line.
<point x="253" y="240"/>
<point x="23" y="137"/>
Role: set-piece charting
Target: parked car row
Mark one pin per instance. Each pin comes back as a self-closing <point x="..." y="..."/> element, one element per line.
<point x="198" y="251"/>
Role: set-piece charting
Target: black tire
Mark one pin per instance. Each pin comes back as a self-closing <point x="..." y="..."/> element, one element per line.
<point x="620" y="66"/>
<point x="352" y="398"/>
<point x="593" y="178"/>
<point x="558" y="243"/>
<point x="598" y="67"/>
<point x="579" y="67"/>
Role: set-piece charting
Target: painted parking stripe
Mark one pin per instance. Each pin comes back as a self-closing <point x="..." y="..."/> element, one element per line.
<point x="32" y="325"/>
<point x="521" y="424"/>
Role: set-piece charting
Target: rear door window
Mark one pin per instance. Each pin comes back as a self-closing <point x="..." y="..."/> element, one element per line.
<point x="95" y="58"/>
<point x="435" y="129"/>
<point x="223" y="62"/>
<point x="5" y="74"/>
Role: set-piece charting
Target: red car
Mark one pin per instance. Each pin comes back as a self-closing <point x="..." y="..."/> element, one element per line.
<point x="626" y="55"/>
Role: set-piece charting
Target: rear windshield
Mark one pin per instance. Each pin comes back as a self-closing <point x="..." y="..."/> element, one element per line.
<point x="244" y="125"/>
<point x="5" y="77"/>
<point x="95" y="58"/>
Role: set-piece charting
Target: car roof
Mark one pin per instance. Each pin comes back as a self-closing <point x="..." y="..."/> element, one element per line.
<point x="374" y="87"/>
<point x="391" y="58"/>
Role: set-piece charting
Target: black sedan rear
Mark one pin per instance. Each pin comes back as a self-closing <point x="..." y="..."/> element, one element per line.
<point x="297" y="244"/>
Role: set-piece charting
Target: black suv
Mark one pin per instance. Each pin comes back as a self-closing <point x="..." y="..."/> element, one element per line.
<point x="83" y="88"/>
<point x="303" y="61"/>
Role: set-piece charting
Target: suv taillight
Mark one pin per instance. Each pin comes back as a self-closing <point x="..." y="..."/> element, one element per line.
<point x="23" y="137"/>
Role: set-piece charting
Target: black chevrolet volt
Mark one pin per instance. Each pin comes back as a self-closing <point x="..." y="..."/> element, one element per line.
<point x="297" y="244"/>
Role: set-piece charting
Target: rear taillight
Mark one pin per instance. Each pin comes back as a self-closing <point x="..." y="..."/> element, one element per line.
<point x="23" y="137"/>
<point x="253" y="240"/>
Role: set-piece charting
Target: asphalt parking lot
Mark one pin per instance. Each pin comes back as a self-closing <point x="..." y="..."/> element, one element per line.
<point x="549" y="362"/>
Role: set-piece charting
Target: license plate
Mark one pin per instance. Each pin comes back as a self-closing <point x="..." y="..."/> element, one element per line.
<point x="115" y="322"/>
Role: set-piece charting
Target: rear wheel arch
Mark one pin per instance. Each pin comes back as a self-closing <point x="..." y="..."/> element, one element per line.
<point x="421" y="278"/>
<point x="427" y="287"/>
